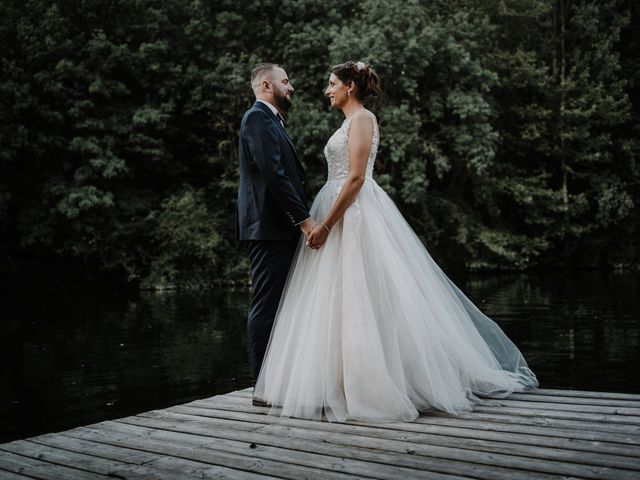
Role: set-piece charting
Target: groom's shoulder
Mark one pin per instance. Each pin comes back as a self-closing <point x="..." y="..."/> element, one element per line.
<point x="255" y="114"/>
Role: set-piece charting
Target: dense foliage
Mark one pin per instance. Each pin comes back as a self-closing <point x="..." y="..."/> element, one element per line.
<point x="509" y="128"/>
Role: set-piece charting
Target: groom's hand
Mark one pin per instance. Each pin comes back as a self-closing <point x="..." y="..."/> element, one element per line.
<point x="307" y="227"/>
<point x="317" y="237"/>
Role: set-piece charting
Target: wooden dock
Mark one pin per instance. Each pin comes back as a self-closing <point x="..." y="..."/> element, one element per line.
<point x="543" y="434"/>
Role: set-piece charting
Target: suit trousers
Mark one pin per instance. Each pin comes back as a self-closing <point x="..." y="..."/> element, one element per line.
<point x="270" y="263"/>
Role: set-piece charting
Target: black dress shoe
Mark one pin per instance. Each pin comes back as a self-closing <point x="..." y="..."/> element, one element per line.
<point x="258" y="402"/>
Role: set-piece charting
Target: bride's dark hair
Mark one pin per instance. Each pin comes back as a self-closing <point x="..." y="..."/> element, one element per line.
<point x="363" y="76"/>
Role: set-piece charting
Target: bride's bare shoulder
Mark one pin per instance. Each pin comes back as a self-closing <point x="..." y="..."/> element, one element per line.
<point x="363" y="120"/>
<point x="365" y="115"/>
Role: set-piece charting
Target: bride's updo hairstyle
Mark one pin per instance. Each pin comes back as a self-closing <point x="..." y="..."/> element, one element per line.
<point x="363" y="76"/>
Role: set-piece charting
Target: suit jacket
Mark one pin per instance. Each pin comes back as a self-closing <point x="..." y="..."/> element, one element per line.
<point x="271" y="197"/>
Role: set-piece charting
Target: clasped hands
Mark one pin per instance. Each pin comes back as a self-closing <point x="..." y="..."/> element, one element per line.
<point x="316" y="233"/>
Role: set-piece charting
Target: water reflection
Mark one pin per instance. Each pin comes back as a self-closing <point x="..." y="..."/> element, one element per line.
<point x="77" y="358"/>
<point x="579" y="330"/>
<point x="73" y="359"/>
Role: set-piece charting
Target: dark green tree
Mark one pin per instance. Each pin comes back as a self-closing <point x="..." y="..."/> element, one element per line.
<point x="509" y="128"/>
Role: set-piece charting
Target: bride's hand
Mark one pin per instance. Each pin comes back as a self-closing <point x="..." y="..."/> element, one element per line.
<point x="317" y="237"/>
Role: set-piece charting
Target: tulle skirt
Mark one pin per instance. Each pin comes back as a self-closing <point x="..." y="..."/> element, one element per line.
<point x="369" y="328"/>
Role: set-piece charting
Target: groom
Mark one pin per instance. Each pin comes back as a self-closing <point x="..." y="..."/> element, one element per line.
<point x="272" y="208"/>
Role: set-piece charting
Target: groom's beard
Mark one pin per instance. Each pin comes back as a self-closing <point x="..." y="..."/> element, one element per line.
<point x="283" y="102"/>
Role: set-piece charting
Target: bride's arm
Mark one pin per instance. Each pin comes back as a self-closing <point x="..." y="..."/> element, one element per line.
<point x="360" y="135"/>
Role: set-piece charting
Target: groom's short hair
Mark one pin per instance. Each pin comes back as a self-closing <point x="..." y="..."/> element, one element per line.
<point x="259" y="72"/>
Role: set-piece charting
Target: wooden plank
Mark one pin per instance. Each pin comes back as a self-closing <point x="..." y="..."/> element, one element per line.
<point x="522" y="437"/>
<point x="188" y="449"/>
<point x="5" y="475"/>
<point x="166" y="466"/>
<point x="80" y="461"/>
<point x="349" y="444"/>
<point x="512" y="461"/>
<point x="110" y="435"/>
<point x="94" y="459"/>
<point x="564" y="415"/>
<point x="500" y="453"/>
<point x="173" y="468"/>
<point x="570" y="424"/>
<point x="246" y="393"/>
<point x="40" y="469"/>
<point x="575" y="400"/>
<point x="531" y="429"/>
<point x="634" y="413"/>
<point x="578" y="393"/>
<point x="72" y="444"/>
<point x="124" y="455"/>
<point x="539" y="434"/>
<point x="600" y="453"/>
<point x="367" y="464"/>
<point x="287" y="463"/>
<point x="242" y="404"/>
<point x="585" y="406"/>
<point x="361" y="448"/>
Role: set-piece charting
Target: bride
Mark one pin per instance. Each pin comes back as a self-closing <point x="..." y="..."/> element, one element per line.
<point x="369" y="328"/>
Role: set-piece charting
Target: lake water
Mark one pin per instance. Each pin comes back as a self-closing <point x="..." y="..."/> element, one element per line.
<point x="71" y="359"/>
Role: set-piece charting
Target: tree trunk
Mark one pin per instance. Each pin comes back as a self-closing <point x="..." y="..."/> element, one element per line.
<point x="562" y="78"/>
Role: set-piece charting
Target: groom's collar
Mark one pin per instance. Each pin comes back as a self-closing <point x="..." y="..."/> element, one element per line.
<point x="268" y="108"/>
<point x="273" y="109"/>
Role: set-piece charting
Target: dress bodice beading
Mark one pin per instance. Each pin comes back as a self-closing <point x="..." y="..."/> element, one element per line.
<point x="336" y="152"/>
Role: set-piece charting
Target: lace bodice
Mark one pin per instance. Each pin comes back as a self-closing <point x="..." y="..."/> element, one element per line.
<point x="337" y="153"/>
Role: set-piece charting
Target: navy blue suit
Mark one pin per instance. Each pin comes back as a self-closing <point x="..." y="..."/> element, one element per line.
<point x="271" y="202"/>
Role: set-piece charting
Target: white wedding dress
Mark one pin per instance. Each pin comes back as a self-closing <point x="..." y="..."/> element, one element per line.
<point x="369" y="328"/>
